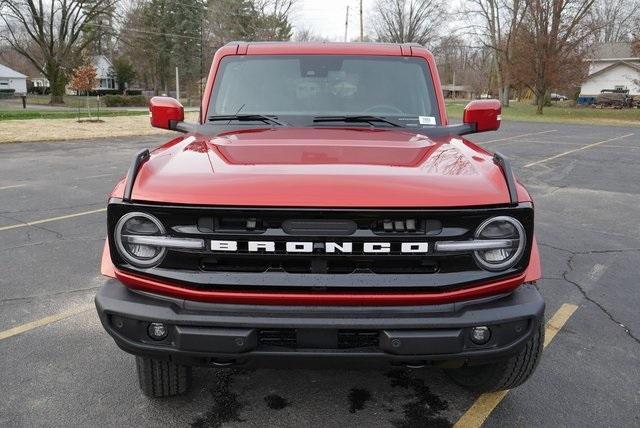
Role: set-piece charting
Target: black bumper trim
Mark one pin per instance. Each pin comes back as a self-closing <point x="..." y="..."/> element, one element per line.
<point x="206" y="333"/>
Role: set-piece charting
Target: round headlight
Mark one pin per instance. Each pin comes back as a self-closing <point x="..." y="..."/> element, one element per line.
<point x="139" y="224"/>
<point x="503" y="228"/>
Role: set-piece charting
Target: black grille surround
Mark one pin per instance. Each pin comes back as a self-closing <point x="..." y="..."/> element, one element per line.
<point x="320" y="271"/>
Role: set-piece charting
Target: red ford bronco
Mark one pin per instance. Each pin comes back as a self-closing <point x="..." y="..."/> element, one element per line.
<point x="323" y="209"/>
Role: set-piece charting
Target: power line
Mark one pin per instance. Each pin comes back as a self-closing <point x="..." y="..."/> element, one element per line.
<point x="157" y="33"/>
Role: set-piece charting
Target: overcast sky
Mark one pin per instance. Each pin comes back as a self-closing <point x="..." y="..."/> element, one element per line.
<point x="326" y="17"/>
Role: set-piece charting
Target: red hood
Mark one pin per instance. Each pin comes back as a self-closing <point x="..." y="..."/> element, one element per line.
<point x="321" y="167"/>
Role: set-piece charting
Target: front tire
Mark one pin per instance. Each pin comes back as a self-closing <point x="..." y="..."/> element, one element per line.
<point x="159" y="378"/>
<point x="506" y="374"/>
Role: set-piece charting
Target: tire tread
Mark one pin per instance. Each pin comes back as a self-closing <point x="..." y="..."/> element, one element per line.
<point x="159" y="378"/>
<point x="506" y="374"/>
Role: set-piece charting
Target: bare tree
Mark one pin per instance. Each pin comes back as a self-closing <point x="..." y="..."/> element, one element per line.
<point x="307" y="35"/>
<point x="494" y="23"/>
<point x="551" y="44"/>
<point x="462" y="64"/>
<point x="616" y="20"/>
<point x="51" y="34"/>
<point x="402" y="21"/>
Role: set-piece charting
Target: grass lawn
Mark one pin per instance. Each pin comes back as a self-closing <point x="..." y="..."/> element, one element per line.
<point x="65" y="114"/>
<point x="69" y="129"/>
<point x="523" y="111"/>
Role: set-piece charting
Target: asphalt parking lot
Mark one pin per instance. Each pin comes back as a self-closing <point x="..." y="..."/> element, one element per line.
<point x="59" y="368"/>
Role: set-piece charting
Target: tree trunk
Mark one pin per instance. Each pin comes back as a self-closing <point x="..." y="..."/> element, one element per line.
<point x="57" y="84"/>
<point x="499" y="80"/>
<point x="540" y="101"/>
<point x="88" y="108"/>
<point x="505" y="94"/>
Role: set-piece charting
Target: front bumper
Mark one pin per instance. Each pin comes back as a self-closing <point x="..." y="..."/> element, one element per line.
<point x="223" y="334"/>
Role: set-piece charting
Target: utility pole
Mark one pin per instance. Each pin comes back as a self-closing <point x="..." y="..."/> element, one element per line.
<point x="346" y="25"/>
<point x="361" y="26"/>
<point x="177" y="85"/>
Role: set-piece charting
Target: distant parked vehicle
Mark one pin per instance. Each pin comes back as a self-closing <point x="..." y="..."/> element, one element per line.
<point x="558" y="97"/>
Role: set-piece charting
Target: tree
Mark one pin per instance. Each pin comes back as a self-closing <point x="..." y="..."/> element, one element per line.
<point x="616" y="20"/>
<point x="83" y="80"/>
<point x="551" y="45"/>
<point x="124" y="72"/>
<point x="158" y="35"/>
<point x="272" y="21"/>
<point x="403" y="21"/>
<point x="52" y="34"/>
<point x="307" y="35"/>
<point x="494" y="25"/>
<point x="250" y="20"/>
<point x="461" y="64"/>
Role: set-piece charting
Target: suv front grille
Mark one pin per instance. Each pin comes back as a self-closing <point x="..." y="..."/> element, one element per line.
<point x="335" y="265"/>
<point x="320" y="269"/>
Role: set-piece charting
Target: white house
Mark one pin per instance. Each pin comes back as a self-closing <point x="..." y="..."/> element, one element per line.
<point x="612" y="66"/>
<point x="11" y="79"/>
<point x="105" y="75"/>
<point x="39" y="82"/>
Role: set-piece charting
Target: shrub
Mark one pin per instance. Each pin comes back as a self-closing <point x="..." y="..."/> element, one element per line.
<point x="125" y="100"/>
<point x="7" y="93"/>
<point x="102" y="92"/>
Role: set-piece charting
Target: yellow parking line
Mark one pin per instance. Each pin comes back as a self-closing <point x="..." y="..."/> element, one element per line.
<point x="47" y="220"/>
<point x="557" y="321"/>
<point x="516" y="136"/>
<point x="484" y="405"/>
<point x="576" y="150"/>
<point x="12" y="187"/>
<point x="43" y="321"/>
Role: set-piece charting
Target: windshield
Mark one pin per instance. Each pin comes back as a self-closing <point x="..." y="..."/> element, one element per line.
<point x="326" y="85"/>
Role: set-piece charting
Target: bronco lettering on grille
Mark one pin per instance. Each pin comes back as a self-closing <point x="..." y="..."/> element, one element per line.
<point x="323" y="247"/>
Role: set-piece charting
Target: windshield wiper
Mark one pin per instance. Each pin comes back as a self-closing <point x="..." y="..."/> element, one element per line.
<point x="247" y="118"/>
<point x="356" y="119"/>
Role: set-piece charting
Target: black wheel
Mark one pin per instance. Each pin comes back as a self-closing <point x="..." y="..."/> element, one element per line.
<point x="160" y="378"/>
<point x="505" y="374"/>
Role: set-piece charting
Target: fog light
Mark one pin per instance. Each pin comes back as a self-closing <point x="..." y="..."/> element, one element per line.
<point x="157" y="331"/>
<point x="480" y="335"/>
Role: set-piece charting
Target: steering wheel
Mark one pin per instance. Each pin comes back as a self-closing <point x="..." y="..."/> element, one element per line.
<point x="383" y="107"/>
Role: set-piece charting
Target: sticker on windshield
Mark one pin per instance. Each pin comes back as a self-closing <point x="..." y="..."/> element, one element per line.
<point x="427" y="120"/>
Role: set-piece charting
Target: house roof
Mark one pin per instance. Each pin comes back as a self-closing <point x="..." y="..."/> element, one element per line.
<point x="636" y="67"/>
<point x="8" y="72"/>
<point x="609" y="51"/>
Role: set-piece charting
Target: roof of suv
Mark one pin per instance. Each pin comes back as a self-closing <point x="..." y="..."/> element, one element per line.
<point x="335" y="48"/>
